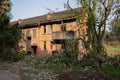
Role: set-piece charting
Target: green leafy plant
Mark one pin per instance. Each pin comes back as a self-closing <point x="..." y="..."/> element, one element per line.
<point x="111" y="70"/>
<point x="10" y="35"/>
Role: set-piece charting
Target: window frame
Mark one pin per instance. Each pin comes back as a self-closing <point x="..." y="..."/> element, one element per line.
<point x="51" y="28"/>
<point x="63" y="27"/>
<point x="34" y="33"/>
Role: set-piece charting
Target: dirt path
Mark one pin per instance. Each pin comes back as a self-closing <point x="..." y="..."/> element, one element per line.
<point x="7" y="75"/>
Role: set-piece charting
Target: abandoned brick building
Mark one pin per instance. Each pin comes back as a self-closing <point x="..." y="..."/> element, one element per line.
<point x="47" y="33"/>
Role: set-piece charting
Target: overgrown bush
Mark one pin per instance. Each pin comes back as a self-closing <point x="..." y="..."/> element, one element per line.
<point x="113" y="61"/>
<point x="9" y="39"/>
<point x="100" y="62"/>
<point x="9" y="54"/>
<point x="10" y="35"/>
<point x="112" y="66"/>
<point x="68" y="56"/>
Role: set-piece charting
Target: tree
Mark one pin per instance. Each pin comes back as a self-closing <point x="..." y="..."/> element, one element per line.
<point x="9" y="35"/>
<point x="114" y="33"/>
<point x="4" y="19"/>
<point x="115" y="30"/>
<point x="95" y="13"/>
<point x="5" y="6"/>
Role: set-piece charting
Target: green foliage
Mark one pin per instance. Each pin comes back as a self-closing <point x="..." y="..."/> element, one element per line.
<point x="92" y="62"/>
<point x="10" y="36"/>
<point x="9" y="54"/>
<point x="112" y="66"/>
<point x="76" y="69"/>
<point x="9" y="46"/>
<point x="56" y="67"/>
<point x="113" y="61"/>
<point x="94" y="13"/>
<point x="69" y="54"/>
<point x="5" y="6"/>
<point x="115" y="49"/>
<point x="91" y="65"/>
<point x="114" y="34"/>
<point x="4" y="22"/>
<point x="113" y="71"/>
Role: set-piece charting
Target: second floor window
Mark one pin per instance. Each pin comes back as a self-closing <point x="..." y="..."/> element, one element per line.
<point x="63" y="28"/>
<point x="34" y="33"/>
<point x="28" y="33"/>
<point x="44" y="28"/>
<point x="51" y="28"/>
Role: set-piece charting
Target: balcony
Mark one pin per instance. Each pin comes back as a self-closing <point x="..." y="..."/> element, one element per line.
<point x="63" y="35"/>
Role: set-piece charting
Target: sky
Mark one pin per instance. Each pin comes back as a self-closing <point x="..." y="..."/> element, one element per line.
<point x="22" y="9"/>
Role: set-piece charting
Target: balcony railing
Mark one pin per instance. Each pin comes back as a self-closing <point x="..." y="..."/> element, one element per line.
<point x="63" y="35"/>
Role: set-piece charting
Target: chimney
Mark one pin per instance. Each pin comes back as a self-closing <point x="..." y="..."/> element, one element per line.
<point x="20" y="21"/>
<point x="49" y="16"/>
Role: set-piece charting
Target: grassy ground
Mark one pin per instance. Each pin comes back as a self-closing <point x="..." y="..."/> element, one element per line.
<point x="112" y="48"/>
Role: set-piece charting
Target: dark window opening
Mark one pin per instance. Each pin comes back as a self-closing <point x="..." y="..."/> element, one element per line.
<point x="71" y="34"/>
<point x="34" y="49"/>
<point x="44" y="28"/>
<point x="44" y="45"/>
<point x="63" y="46"/>
<point x="29" y="52"/>
<point x="51" y="46"/>
<point x="28" y="38"/>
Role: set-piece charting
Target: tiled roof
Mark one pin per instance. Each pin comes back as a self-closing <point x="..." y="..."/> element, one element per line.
<point x="58" y="16"/>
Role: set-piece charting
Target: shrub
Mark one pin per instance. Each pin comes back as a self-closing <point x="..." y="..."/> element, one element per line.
<point x="112" y="70"/>
<point x="9" y="54"/>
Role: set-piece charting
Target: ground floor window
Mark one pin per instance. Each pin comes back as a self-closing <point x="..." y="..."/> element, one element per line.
<point x="44" y="45"/>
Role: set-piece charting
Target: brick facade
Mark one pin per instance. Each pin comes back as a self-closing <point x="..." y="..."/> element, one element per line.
<point x="46" y="34"/>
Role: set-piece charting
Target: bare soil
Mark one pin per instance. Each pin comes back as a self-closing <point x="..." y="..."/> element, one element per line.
<point x="7" y="75"/>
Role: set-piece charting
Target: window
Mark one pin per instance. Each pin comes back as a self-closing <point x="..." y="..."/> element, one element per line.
<point x="51" y="46"/>
<point x="71" y="34"/>
<point x="34" y="33"/>
<point x="44" y="45"/>
<point x="51" y="28"/>
<point x="29" y="52"/>
<point x="28" y="38"/>
<point x="63" y="46"/>
<point x="27" y="32"/>
<point x="63" y="28"/>
<point x="44" y="28"/>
